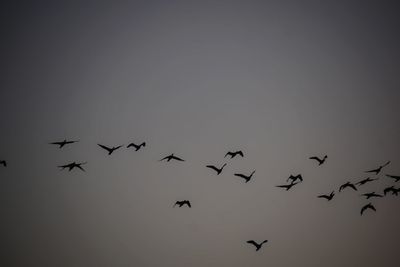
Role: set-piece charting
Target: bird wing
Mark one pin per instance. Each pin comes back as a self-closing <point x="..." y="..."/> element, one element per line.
<point x="240" y="175"/>
<point x="131" y="144"/>
<point x="188" y="203"/>
<point x="323" y="196"/>
<point x="283" y="186"/>
<point x="165" y="158"/>
<point x="56" y="143"/>
<point x="265" y="241"/>
<point x="353" y="186"/>
<point x="228" y="154"/>
<point x="80" y="167"/>
<point x="176" y="158"/>
<point x="213" y="167"/>
<point x="104" y="147"/>
<point x="240" y="153"/>
<point x="252" y="242"/>
<point x="115" y="148"/>
<point x="316" y="158"/>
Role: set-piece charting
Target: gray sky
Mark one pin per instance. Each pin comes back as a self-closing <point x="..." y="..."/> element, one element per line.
<point x="280" y="80"/>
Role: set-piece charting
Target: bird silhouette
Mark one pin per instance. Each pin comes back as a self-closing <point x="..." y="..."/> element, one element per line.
<point x="320" y="161"/>
<point x="137" y="147"/>
<point x="390" y="189"/>
<point x="287" y="186"/>
<point x="378" y="170"/>
<point x="218" y="170"/>
<point x="170" y="157"/>
<point x="257" y="245"/>
<point x="245" y="177"/>
<point x="367" y="180"/>
<point x="395" y="177"/>
<point x="328" y="197"/>
<point x="4" y="163"/>
<point x="234" y="154"/>
<point x="183" y="202"/>
<point x="61" y="144"/>
<point x="368" y="206"/>
<point x="372" y="194"/>
<point x="110" y="150"/>
<point x="295" y="178"/>
<point x="73" y="165"/>
<point x="348" y="184"/>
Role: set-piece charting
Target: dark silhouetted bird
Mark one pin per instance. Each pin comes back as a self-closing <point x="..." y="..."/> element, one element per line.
<point x="295" y="178"/>
<point x="73" y="165"/>
<point x="372" y="194"/>
<point x="287" y="186"/>
<point x="110" y="150"/>
<point x="367" y="180"/>
<point x="378" y="170"/>
<point x="171" y="157"/>
<point x="137" y="147"/>
<point x="4" y="163"/>
<point x="245" y="177"/>
<point x="218" y="170"/>
<point x="395" y="177"/>
<point x="61" y="144"/>
<point x="390" y="189"/>
<point x="183" y="202"/>
<point x="257" y="245"/>
<point x="320" y="161"/>
<point x="328" y="197"/>
<point x="234" y="154"/>
<point x="348" y="184"/>
<point x="368" y="206"/>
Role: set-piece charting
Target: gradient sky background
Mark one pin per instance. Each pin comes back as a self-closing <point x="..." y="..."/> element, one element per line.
<point x="281" y="80"/>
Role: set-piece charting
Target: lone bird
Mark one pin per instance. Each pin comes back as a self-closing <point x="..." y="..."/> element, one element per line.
<point x="257" y="245"/>
<point x="245" y="177"/>
<point x="348" y="184"/>
<point x="61" y="144"/>
<point x="368" y="206"/>
<point x="183" y="202"/>
<point x="372" y="194"/>
<point x="170" y="157"/>
<point x="137" y="147"/>
<point x="218" y="170"/>
<point x="395" y="177"/>
<point x="4" y="163"/>
<point x="110" y="150"/>
<point x="391" y="189"/>
<point x="327" y="197"/>
<point x="234" y="154"/>
<point x="73" y="165"/>
<point x="320" y="161"/>
<point x="287" y="186"/>
<point x="378" y="170"/>
<point x="295" y="178"/>
<point x="367" y="180"/>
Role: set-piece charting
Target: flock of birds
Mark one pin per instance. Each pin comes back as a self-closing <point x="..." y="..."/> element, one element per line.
<point x="292" y="180"/>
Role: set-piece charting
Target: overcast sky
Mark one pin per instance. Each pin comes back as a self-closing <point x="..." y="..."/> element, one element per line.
<point x="279" y="80"/>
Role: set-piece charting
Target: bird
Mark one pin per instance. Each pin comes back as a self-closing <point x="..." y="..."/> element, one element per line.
<point x="170" y="157"/>
<point x="294" y="178"/>
<point x="390" y="189"/>
<point x="372" y="194"/>
<point x="367" y="180"/>
<point x="4" y="163"/>
<point x="328" y="197"/>
<point x="245" y="177"/>
<point x="183" y="202"/>
<point x="378" y="170"/>
<point x="234" y="154"/>
<point x="73" y="165"/>
<point x="109" y="150"/>
<point x="218" y="170"/>
<point x="137" y="147"/>
<point x="257" y="245"/>
<point x="61" y="144"/>
<point x="397" y="178"/>
<point x="287" y="186"/>
<point x="348" y="184"/>
<point x="320" y="161"/>
<point x="368" y="206"/>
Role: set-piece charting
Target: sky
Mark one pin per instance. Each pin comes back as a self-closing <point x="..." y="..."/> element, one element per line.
<point x="279" y="80"/>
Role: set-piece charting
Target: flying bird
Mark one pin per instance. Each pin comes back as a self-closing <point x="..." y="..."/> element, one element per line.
<point x="257" y="245"/>
<point x="137" y="147"/>
<point x="61" y="144"/>
<point x="234" y="154"/>
<point x="4" y="163"/>
<point x="390" y="189"/>
<point x="110" y="150"/>
<point x="378" y="170"/>
<point x="320" y="161"/>
<point x="348" y="184"/>
<point x="372" y="194"/>
<point x="183" y="202"/>
<point x="170" y="157"/>
<point x="367" y="180"/>
<point x="245" y="177"/>
<point x="295" y="178"/>
<point x="73" y="165"/>
<point x="368" y="206"/>
<point x="287" y="186"/>
<point x="328" y="197"/>
<point x="218" y="170"/>
<point x="397" y="178"/>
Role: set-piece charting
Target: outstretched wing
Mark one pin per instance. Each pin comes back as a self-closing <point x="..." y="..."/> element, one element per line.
<point x="353" y="186"/>
<point x="176" y="158"/>
<point x="323" y="196"/>
<point x="240" y="153"/>
<point x="104" y="147"/>
<point x="188" y="203"/>
<point x="229" y="154"/>
<point x="213" y="167"/>
<point x="315" y="158"/>
<point x="240" y="175"/>
<point x="131" y="144"/>
<point x="253" y="243"/>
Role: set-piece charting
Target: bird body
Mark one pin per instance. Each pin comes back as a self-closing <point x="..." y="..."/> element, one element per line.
<point x="320" y="161"/>
<point x="295" y="178"/>
<point x="73" y="165"/>
<point x="391" y="189"/>
<point x="348" y="184"/>
<point x="245" y="177"/>
<point x="378" y="170"/>
<point x="257" y="245"/>
<point x="234" y="154"/>
<point x="328" y="197"/>
<point x="368" y="206"/>
<point x="110" y="150"/>
<point x="218" y="170"/>
<point x="61" y="144"/>
<point x="171" y="157"/>
<point x="137" y="147"/>
<point x="4" y="163"/>
<point x="372" y="194"/>
<point x="183" y="202"/>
